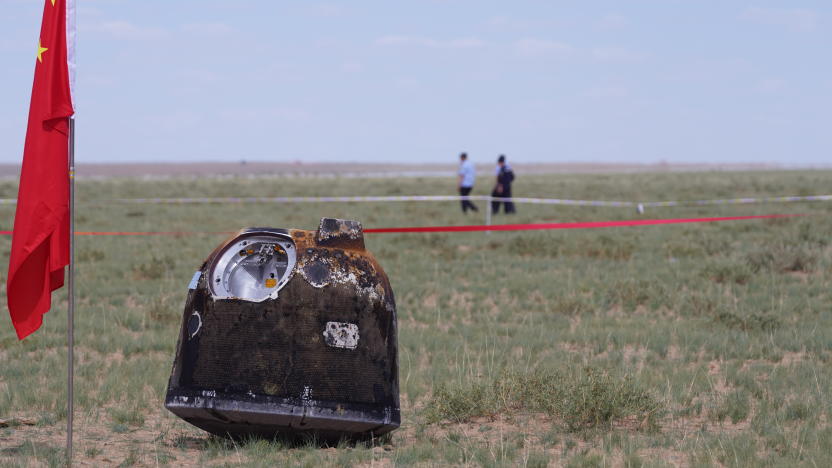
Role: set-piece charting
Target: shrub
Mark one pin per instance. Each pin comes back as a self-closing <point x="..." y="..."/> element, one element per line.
<point x="90" y="256"/>
<point x="798" y="410"/>
<point x="633" y="292"/>
<point x="735" y="406"/>
<point x="728" y="272"/>
<point x="596" y="399"/>
<point x="460" y="404"/>
<point x="782" y="258"/>
<point x="697" y="303"/>
<point x="534" y="246"/>
<point x="154" y="269"/>
<point x="571" y="305"/>
<point x="582" y="399"/>
<point x="751" y="322"/>
<point x="609" y="248"/>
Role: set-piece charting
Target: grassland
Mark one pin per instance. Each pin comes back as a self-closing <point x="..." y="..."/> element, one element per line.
<point x="695" y="345"/>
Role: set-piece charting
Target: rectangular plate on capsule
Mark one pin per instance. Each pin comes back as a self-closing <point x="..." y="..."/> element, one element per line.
<point x="341" y="335"/>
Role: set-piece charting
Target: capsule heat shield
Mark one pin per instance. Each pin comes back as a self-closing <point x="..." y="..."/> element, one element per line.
<point x="289" y="331"/>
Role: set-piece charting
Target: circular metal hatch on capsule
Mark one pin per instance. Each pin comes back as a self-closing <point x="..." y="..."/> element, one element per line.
<point x="253" y="267"/>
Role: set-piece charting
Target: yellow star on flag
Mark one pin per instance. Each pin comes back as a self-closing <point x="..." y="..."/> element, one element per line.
<point x="41" y="50"/>
<point x="53" y="2"/>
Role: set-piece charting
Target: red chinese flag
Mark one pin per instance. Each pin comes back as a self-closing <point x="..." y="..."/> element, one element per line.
<point x="40" y="241"/>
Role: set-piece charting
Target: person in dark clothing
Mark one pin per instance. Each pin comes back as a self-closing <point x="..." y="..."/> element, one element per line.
<point x="467" y="175"/>
<point x="505" y="176"/>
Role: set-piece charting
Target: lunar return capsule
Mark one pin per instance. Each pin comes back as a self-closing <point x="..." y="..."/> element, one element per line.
<point x="289" y="332"/>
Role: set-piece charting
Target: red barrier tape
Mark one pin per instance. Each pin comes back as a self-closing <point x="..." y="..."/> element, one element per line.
<point x="582" y="225"/>
<point x="473" y="228"/>
<point x="136" y="233"/>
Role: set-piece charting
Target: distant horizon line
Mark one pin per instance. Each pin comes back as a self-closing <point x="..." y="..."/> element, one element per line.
<point x="154" y="170"/>
<point x="449" y="161"/>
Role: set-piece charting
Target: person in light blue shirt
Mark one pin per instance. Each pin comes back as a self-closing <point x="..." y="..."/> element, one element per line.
<point x="467" y="176"/>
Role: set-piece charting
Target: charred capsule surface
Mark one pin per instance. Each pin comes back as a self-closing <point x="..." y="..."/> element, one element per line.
<point x="289" y="332"/>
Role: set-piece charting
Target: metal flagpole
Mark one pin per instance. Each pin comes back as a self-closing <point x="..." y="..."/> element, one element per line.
<point x="70" y="317"/>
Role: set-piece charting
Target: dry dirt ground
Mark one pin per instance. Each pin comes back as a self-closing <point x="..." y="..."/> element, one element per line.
<point x="166" y="441"/>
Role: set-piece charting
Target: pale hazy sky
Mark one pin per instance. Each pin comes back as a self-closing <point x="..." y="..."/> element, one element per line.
<point x="422" y="80"/>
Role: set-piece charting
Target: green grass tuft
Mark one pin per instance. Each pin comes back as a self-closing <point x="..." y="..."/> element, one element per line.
<point x="581" y="399"/>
